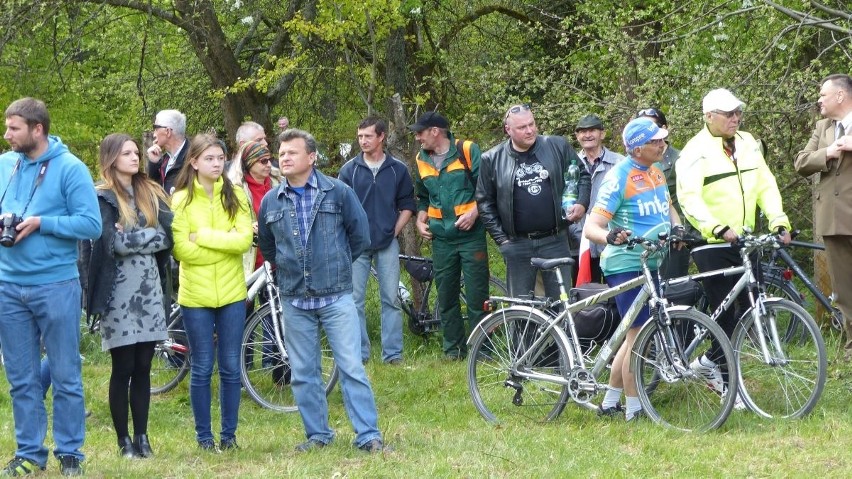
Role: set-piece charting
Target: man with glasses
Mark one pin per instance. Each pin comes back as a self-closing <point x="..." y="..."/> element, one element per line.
<point x="519" y="195"/>
<point x="445" y="184"/>
<point x="677" y="262"/>
<point x="384" y="187"/>
<point x="722" y="178"/>
<point x="597" y="160"/>
<point x="167" y="154"/>
<point x="829" y="153"/>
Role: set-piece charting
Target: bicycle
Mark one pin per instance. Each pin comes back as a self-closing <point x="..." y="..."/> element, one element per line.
<point x="424" y="315"/>
<point x="780" y="281"/>
<point x="265" y="370"/>
<point x="777" y="378"/>
<point x="526" y="359"/>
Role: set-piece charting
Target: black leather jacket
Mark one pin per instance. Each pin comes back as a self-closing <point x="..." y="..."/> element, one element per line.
<point x="496" y="180"/>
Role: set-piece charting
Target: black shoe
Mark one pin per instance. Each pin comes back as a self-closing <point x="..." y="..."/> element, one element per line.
<point x="613" y="411"/>
<point x="70" y="466"/>
<point x="208" y="445"/>
<point x="227" y="444"/>
<point x="20" y="466"/>
<point x="638" y="416"/>
<point x="310" y="445"/>
<point x="395" y="362"/>
<point x="373" y="446"/>
<point x="126" y="448"/>
<point x="143" y="447"/>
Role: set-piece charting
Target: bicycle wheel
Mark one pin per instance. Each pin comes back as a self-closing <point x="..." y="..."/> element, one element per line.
<point x="670" y="392"/>
<point x="498" y="383"/>
<point x="790" y="383"/>
<point x="266" y="371"/>
<point x="171" y="356"/>
<point x="777" y="287"/>
<point x="496" y="287"/>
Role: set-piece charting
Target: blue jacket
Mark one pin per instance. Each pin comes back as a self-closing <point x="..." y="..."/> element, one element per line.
<point x="66" y="202"/>
<point x="383" y="196"/>
<point x="338" y="234"/>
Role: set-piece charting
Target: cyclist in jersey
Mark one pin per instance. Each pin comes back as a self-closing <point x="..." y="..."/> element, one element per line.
<point x="633" y="200"/>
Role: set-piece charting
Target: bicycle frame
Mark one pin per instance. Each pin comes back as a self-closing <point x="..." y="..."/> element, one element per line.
<point x="578" y="380"/>
<point x="791" y="263"/>
<point x="747" y="281"/>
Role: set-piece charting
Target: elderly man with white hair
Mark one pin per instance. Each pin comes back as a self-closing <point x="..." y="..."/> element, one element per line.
<point x="722" y="178"/>
<point x="167" y="154"/>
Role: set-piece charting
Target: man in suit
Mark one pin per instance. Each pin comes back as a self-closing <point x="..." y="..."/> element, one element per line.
<point x="829" y="153"/>
<point x="166" y="155"/>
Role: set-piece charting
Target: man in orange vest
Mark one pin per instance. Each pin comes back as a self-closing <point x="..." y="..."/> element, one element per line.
<point x="445" y="184"/>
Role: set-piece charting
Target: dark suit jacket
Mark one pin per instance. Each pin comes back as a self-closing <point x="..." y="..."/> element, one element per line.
<point x="169" y="181"/>
<point x="834" y="191"/>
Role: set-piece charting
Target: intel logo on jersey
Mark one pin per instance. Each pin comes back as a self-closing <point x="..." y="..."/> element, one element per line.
<point x="656" y="207"/>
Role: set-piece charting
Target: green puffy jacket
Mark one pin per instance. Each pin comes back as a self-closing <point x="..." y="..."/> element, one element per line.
<point x="211" y="267"/>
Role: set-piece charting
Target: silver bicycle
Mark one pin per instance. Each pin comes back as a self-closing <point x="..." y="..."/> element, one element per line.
<point x="526" y="362"/>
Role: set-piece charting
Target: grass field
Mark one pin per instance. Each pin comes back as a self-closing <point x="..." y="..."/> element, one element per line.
<point x="426" y="414"/>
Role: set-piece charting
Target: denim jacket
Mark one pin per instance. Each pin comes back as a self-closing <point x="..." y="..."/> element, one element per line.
<point x="339" y="232"/>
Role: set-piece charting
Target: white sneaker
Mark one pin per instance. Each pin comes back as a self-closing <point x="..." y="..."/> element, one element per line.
<point x="739" y="405"/>
<point x="710" y="372"/>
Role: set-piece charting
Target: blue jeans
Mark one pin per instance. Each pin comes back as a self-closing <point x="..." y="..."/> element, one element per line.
<point x="302" y="339"/>
<point x="30" y="316"/>
<point x="227" y="323"/>
<point x="387" y="271"/>
<point x="520" y="276"/>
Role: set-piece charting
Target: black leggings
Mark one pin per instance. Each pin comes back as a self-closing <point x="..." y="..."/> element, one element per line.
<point x="130" y="385"/>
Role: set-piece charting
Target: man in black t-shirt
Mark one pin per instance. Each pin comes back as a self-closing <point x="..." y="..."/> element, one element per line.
<point x="519" y="196"/>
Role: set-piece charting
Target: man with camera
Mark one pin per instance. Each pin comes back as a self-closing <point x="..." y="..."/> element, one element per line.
<point x="47" y="204"/>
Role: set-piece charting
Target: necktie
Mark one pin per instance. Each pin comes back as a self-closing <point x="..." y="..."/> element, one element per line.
<point x="839" y="130"/>
<point x="164" y="162"/>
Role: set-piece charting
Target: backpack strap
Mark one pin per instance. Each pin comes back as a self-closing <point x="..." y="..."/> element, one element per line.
<point x="463" y="147"/>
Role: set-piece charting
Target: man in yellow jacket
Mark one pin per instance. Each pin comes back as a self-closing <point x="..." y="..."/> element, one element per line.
<point x="722" y="178"/>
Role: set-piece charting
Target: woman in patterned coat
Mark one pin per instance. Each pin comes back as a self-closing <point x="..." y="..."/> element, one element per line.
<point x="126" y="274"/>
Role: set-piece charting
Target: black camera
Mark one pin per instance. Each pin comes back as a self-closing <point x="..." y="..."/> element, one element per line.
<point x="8" y="233"/>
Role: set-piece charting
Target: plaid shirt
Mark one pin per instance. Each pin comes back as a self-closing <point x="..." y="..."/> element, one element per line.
<point x="304" y="203"/>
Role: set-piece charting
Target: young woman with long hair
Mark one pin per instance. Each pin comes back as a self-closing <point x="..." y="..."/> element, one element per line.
<point x="127" y="278"/>
<point x="212" y="230"/>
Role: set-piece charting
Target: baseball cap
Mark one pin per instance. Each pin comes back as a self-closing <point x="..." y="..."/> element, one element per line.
<point x="589" y="121"/>
<point x="429" y="120"/>
<point x="720" y="100"/>
<point x="640" y="131"/>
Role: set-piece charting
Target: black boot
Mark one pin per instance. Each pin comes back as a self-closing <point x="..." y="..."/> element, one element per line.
<point x="143" y="447"/>
<point x="126" y="448"/>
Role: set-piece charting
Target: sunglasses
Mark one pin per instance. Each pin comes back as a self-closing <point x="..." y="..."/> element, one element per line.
<point x="264" y="161"/>
<point x="729" y="114"/>
<point x="160" y="126"/>
<point x="652" y="112"/>
<point x="517" y="109"/>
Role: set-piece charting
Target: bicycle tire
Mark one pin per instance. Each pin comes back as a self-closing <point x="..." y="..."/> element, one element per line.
<point x="671" y="394"/>
<point x="170" y="363"/>
<point x="791" y="388"/>
<point x="265" y="371"/>
<point x="496" y="287"/>
<point x="777" y="287"/>
<point x="497" y="391"/>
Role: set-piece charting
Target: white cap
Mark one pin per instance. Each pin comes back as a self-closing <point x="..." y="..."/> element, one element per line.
<point x="721" y="100"/>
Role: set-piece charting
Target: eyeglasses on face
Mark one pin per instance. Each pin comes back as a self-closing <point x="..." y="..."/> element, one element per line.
<point x="517" y="109"/>
<point x="729" y="114"/>
<point x="156" y="126"/>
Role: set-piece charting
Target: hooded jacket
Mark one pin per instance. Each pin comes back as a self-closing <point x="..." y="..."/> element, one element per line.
<point x="65" y="201"/>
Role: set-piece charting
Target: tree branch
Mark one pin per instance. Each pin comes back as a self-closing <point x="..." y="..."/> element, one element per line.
<point x="466" y="20"/>
<point x="809" y="20"/>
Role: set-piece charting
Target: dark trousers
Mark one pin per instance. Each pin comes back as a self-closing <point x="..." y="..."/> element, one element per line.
<point x="520" y="276"/>
<point x="718" y="287"/>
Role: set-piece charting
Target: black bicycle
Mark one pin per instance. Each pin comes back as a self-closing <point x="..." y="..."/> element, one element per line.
<point x="780" y="268"/>
<point x="422" y="309"/>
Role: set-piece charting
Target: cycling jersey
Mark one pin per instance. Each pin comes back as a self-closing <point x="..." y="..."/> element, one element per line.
<point x="636" y="198"/>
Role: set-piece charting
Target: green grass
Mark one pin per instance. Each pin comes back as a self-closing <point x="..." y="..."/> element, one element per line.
<point x="426" y="414"/>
